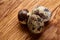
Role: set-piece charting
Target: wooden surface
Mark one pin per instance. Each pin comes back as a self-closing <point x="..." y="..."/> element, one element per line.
<point x="10" y="28"/>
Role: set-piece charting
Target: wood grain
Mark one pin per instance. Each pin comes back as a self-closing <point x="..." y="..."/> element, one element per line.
<point x="11" y="29"/>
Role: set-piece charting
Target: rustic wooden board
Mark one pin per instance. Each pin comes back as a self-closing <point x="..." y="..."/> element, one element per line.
<point x="10" y="28"/>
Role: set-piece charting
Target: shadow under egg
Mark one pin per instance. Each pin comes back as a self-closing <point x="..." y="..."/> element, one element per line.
<point x="31" y="35"/>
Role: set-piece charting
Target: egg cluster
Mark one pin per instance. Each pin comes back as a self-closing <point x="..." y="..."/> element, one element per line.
<point x="35" y="19"/>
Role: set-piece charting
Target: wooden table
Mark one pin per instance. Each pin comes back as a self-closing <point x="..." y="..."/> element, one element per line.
<point x="10" y="28"/>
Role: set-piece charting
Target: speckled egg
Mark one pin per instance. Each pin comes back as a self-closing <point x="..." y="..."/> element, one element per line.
<point x="36" y="20"/>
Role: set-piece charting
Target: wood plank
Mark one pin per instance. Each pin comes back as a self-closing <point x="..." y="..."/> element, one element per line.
<point x="10" y="28"/>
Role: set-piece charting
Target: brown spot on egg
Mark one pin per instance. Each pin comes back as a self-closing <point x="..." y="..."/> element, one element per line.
<point x="40" y="28"/>
<point x="36" y="12"/>
<point x="42" y="16"/>
<point x="33" y="28"/>
<point x="38" y="19"/>
<point x="46" y="10"/>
